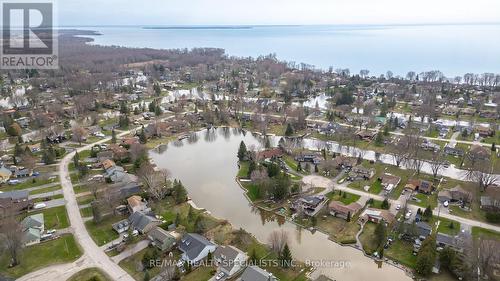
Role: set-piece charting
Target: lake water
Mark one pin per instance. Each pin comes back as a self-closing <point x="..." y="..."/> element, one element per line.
<point x="207" y="166"/>
<point x="453" y="49"/>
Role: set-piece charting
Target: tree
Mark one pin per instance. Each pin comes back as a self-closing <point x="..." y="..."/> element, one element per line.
<point x="113" y="136"/>
<point x="156" y="182"/>
<point x="199" y="225"/>
<point x="426" y="256"/>
<point x="253" y="257"/>
<point x="428" y="213"/>
<point x="277" y="240"/>
<point x="76" y="160"/>
<point x="11" y="236"/>
<point x="79" y="134"/>
<point x="385" y="204"/>
<point x="179" y="193"/>
<point x="14" y="130"/>
<point x="493" y="147"/>
<point x="142" y="136"/>
<point x="286" y="257"/>
<point x="289" y="130"/>
<point x="482" y="172"/>
<point x="242" y="151"/>
<point x="437" y="163"/>
<point x="380" y="234"/>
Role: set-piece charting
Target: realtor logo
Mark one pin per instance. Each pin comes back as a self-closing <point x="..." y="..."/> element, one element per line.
<point x="28" y="37"/>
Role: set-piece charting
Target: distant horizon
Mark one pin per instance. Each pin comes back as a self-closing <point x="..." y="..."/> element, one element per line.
<point x="278" y="25"/>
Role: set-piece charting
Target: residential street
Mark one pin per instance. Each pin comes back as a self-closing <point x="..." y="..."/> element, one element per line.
<point x="320" y="181"/>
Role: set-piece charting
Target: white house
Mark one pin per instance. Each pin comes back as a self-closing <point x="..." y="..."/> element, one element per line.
<point x="195" y="247"/>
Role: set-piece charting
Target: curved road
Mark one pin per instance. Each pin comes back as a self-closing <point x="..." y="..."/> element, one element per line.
<point x="93" y="256"/>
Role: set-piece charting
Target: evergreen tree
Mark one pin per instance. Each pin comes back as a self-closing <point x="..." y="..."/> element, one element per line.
<point x="179" y="193"/>
<point x="428" y="213"/>
<point x="76" y="160"/>
<point x="493" y="147"/>
<point x="199" y="225"/>
<point x="242" y="151"/>
<point x="142" y="136"/>
<point x="113" y="136"/>
<point x="426" y="256"/>
<point x="289" y="130"/>
<point x="146" y="276"/>
<point x="286" y="257"/>
<point x="385" y="204"/>
<point x="177" y="219"/>
<point x="380" y="234"/>
<point x="348" y="219"/>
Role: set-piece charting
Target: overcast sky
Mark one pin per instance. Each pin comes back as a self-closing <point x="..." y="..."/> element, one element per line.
<point x="262" y="12"/>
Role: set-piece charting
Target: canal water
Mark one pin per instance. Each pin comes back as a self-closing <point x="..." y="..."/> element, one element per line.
<point x="206" y="164"/>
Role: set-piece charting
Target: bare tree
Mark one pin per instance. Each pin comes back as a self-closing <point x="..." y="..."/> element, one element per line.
<point x="277" y="240"/>
<point x="79" y="134"/>
<point x="11" y="234"/>
<point x="137" y="151"/>
<point x="488" y="256"/>
<point x="482" y="172"/>
<point x="157" y="182"/>
<point x="437" y="163"/>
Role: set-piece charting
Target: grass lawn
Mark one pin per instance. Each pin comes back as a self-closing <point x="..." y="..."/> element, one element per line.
<point x="102" y="232"/>
<point x="478" y="232"/>
<point x="86" y="212"/>
<point x="45" y="190"/>
<point x="344" y="197"/>
<point x="445" y="226"/>
<point x="243" y="172"/>
<point x="402" y="252"/>
<point x="425" y="200"/>
<point x="130" y="265"/>
<point x="252" y="190"/>
<point x="90" y="274"/>
<point x="366" y="238"/>
<point x="376" y="187"/>
<point x="377" y="204"/>
<point x="56" y="217"/>
<point x="62" y="250"/>
<point x="29" y="183"/>
<point x="201" y="273"/>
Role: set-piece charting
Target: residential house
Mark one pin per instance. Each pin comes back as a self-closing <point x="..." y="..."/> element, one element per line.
<point x="490" y="204"/>
<point x="451" y="110"/>
<point x="195" y="247"/>
<point x="453" y="151"/>
<point x="21" y="172"/>
<point x="361" y="173"/>
<point x="33" y="226"/>
<point x="162" y="239"/>
<point x="377" y="216"/>
<point x="121" y="226"/>
<point x="14" y="202"/>
<point x="423" y="229"/>
<point x="308" y="158"/>
<point x="479" y="152"/>
<point x="419" y="185"/>
<point x="119" y="152"/>
<point x="389" y="181"/>
<point x="229" y="260"/>
<point x="274" y="153"/>
<point x="454" y="242"/>
<point x="339" y="209"/>
<point x="484" y="131"/>
<point x="255" y="273"/>
<point x="342" y="162"/>
<point x="5" y="174"/>
<point x="456" y="194"/>
<point x="136" y="203"/>
<point x="309" y="205"/>
<point x="366" y="135"/>
<point x="143" y="222"/>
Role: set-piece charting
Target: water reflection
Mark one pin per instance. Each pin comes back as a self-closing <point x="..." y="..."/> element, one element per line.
<point x="208" y="168"/>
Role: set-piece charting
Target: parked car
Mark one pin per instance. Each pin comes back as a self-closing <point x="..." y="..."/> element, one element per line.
<point x="219" y="276"/>
<point x="13" y="182"/>
<point x="40" y="206"/>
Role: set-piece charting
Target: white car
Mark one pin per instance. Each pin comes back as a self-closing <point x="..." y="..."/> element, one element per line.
<point x="51" y="231"/>
<point x="39" y="206"/>
<point x="445" y="204"/>
<point x="219" y="276"/>
<point x="398" y="207"/>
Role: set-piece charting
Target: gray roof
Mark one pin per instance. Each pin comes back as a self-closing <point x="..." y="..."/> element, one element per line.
<point x="226" y="256"/>
<point x="192" y="244"/>
<point x="423" y="228"/>
<point x="15" y="194"/>
<point x="255" y="273"/>
<point x="33" y="221"/>
<point x="140" y="220"/>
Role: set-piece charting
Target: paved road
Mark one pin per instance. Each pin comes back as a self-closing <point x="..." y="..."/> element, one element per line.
<point x="46" y="194"/>
<point x="320" y="181"/>
<point x="139" y="246"/>
<point x="93" y="256"/>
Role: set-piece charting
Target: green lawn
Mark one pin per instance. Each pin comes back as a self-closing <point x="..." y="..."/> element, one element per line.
<point x="478" y="232"/>
<point x="243" y="172"/>
<point x="445" y="226"/>
<point x="425" y="200"/>
<point x="201" y="273"/>
<point x="130" y="265"/>
<point x="62" y="250"/>
<point x="90" y="274"/>
<point x="45" y="190"/>
<point x="344" y="197"/>
<point x="56" y="217"/>
<point x="86" y="212"/>
<point x="252" y="190"/>
<point x="102" y="232"/>
<point x="402" y="252"/>
<point x="376" y="187"/>
<point x="29" y="183"/>
<point x="366" y="238"/>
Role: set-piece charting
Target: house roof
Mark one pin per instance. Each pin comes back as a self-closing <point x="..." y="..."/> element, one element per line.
<point x="390" y="179"/>
<point x="31" y="234"/>
<point x="161" y="235"/>
<point x="255" y="273"/>
<point x="192" y="245"/>
<point x="4" y="172"/>
<point x="15" y="194"/>
<point x="135" y="201"/>
<point x="33" y="221"/>
<point x="140" y="220"/>
<point x="342" y="208"/>
<point x="227" y="255"/>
